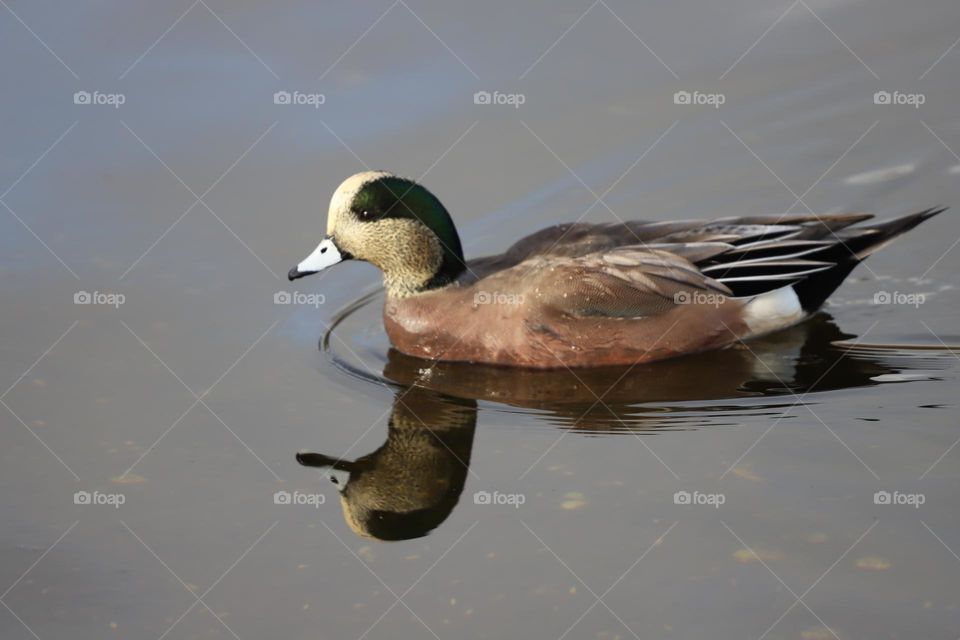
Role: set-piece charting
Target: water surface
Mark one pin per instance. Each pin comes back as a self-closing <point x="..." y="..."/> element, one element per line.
<point x="517" y="504"/>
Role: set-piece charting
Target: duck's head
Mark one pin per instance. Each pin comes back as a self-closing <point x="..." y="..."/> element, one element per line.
<point x="394" y="224"/>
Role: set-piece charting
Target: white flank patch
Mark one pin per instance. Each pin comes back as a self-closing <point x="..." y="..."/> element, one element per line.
<point x="773" y="310"/>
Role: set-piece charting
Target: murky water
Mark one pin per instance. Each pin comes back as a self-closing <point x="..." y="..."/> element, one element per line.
<point x="804" y="486"/>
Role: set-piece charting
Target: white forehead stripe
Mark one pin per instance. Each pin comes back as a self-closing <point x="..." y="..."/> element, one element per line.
<point x="347" y="191"/>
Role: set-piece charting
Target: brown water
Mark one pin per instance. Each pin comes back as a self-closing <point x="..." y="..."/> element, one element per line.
<point x="531" y="504"/>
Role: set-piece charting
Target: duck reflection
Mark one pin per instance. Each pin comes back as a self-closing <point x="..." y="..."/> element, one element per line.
<point x="793" y="362"/>
<point x="411" y="483"/>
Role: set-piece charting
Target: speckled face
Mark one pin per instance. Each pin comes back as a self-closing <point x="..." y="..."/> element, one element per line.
<point x="396" y="225"/>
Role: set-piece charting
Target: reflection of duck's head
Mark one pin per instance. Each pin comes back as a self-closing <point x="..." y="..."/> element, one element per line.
<point x="408" y="486"/>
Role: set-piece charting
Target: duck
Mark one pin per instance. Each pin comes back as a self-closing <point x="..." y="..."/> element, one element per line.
<point x="579" y="294"/>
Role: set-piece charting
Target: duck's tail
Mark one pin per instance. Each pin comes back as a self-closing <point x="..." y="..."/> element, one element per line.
<point x="855" y="245"/>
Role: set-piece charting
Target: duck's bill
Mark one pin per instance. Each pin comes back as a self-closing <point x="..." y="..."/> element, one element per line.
<point x="325" y="255"/>
<point x="336" y="470"/>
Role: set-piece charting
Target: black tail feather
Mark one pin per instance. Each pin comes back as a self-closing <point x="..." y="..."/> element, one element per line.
<point x="856" y="244"/>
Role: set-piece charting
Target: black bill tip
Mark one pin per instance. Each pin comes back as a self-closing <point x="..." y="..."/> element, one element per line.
<point x="293" y="274"/>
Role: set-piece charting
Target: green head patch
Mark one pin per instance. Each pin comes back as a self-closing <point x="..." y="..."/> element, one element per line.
<point x="394" y="197"/>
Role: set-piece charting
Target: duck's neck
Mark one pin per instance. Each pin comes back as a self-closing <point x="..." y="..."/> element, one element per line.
<point x="404" y="285"/>
<point x="437" y="263"/>
<point x="452" y="266"/>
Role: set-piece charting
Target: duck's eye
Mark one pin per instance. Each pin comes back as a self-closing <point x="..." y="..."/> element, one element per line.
<point x="366" y="215"/>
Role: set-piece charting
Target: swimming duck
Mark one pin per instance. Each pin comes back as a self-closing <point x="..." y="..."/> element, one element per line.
<point x="579" y="294"/>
